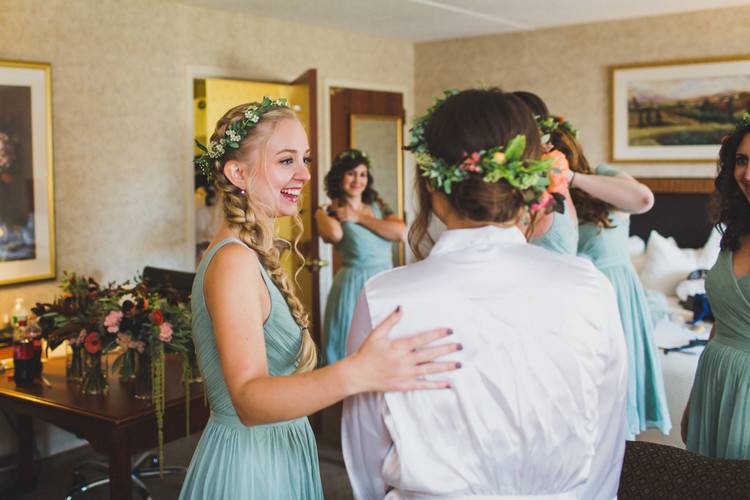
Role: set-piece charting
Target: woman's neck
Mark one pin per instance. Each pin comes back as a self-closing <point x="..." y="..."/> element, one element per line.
<point x="453" y="221"/>
<point x="354" y="201"/>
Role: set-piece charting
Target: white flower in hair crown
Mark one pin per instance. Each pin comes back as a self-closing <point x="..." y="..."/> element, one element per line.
<point x="533" y="178"/>
<point x="234" y="134"/>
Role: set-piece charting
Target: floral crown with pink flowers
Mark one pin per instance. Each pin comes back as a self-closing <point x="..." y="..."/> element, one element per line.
<point x="531" y="177"/>
<point x="234" y="134"/>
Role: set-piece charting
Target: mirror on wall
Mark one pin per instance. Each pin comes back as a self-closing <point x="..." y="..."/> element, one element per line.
<point x="380" y="136"/>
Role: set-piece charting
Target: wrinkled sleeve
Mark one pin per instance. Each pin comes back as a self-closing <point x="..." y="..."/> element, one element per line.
<point x="364" y="437"/>
<point x="610" y="435"/>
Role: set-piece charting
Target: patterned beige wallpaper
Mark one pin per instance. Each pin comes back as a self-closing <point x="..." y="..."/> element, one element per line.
<point x="568" y="67"/>
<point x="121" y="111"/>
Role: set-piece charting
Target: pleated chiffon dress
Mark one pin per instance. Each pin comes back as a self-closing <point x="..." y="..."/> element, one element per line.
<point x="276" y="461"/>
<point x="562" y="236"/>
<point x="607" y="248"/>
<point x="719" y="424"/>
<point x="364" y="254"/>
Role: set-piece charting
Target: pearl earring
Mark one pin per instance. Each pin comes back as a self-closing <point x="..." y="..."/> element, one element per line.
<point x="243" y="192"/>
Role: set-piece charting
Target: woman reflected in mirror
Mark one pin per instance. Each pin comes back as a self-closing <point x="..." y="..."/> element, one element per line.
<point x="363" y="228"/>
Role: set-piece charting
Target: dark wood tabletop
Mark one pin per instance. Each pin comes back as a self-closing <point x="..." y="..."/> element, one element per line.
<point x="117" y="425"/>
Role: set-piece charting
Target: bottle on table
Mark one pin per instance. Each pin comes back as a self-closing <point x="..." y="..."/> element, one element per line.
<point x="23" y="347"/>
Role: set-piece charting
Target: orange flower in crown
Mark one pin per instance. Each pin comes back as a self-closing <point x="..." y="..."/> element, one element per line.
<point x="558" y="179"/>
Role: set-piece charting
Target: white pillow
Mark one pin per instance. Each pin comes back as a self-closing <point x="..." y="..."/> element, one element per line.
<point x="710" y="252"/>
<point x="637" y="251"/>
<point x="666" y="264"/>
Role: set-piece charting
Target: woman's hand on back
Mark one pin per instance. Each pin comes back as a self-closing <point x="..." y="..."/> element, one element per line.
<point x="382" y="364"/>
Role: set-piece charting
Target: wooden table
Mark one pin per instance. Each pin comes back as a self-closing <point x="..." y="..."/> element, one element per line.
<point x="116" y="425"/>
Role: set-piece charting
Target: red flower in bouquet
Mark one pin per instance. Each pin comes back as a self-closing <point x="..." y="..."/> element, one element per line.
<point x="93" y="343"/>
<point x="156" y="317"/>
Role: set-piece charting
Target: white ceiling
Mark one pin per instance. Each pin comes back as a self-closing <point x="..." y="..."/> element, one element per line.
<point x="427" y="20"/>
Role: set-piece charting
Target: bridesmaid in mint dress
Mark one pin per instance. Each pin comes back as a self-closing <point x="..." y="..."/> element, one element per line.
<point x="559" y="232"/>
<point x="232" y="459"/>
<point x="363" y="230"/>
<point x="250" y="329"/>
<point x="602" y="238"/>
<point x="717" y="419"/>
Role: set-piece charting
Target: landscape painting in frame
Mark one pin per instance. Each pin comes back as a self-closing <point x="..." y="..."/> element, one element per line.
<point x="677" y="111"/>
<point x="27" y="244"/>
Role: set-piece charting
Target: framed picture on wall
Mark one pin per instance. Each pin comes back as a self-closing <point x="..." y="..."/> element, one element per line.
<point x="676" y="111"/>
<point x="27" y="232"/>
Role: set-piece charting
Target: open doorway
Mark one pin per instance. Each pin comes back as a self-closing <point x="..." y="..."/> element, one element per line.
<point x="371" y="121"/>
<point x="212" y="97"/>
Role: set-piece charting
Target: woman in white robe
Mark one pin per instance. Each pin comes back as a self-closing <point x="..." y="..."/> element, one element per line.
<point x="538" y="408"/>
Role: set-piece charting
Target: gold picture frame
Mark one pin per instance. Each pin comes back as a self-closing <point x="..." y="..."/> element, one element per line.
<point x="27" y="216"/>
<point x="676" y="111"/>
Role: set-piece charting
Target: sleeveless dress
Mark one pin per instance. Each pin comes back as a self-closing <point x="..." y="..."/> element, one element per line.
<point x="276" y="461"/>
<point x="364" y="254"/>
<point x="607" y="248"/>
<point x="719" y="424"/>
<point x="562" y="236"/>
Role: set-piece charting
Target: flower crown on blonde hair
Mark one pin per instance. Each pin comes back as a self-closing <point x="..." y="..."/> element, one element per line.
<point x="235" y="133"/>
<point x="531" y="177"/>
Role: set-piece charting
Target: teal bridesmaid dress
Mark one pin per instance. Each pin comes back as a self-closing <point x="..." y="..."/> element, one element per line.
<point x="719" y="424"/>
<point x="562" y="236"/>
<point x="364" y="254"/>
<point x="276" y="461"/>
<point x="607" y="248"/>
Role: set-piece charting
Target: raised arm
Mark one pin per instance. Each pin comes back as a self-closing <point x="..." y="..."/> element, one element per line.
<point x="329" y="227"/>
<point x="620" y="190"/>
<point x="239" y="303"/>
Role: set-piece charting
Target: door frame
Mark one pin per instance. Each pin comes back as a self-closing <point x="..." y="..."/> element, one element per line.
<point x="325" y="251"/>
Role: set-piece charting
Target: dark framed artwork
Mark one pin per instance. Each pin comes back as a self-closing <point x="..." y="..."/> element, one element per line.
<point x="27" y="232"/>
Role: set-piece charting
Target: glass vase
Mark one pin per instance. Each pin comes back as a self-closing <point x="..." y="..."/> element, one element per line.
<point x="94" y="375"/>
<point x="74" y="363"/>
<point x="127" y="369"/>
<point x="142" y="381"/>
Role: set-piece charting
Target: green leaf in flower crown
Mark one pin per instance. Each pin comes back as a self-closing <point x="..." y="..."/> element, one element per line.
<point x="233" y="144"/>
<point x="515" y="148"/>
<point x="201" y="146"/>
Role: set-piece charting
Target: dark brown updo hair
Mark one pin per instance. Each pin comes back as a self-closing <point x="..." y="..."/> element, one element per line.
<point x="534" y="103"/>
<point x="468" y="122"/>
<point x="589" y="209"/>
<point x="730" y="210"/>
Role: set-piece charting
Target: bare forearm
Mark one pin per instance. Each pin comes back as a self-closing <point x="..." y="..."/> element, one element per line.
<point x="392" y="230"/>
<point x="625" y="194"/>
<point x="266" y="400"/>
<point x="328" y="227"/>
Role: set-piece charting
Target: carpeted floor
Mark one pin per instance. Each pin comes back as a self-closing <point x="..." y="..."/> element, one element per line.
<point x="54" y="475"/>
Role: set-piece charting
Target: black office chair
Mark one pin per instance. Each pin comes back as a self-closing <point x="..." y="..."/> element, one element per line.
<point x="170" y="283"/>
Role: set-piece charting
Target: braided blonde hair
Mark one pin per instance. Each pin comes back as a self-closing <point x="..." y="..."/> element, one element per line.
<point x="255" y="228"/>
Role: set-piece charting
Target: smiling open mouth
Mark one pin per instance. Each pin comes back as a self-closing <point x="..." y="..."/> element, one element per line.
<point x="291" y="194"/>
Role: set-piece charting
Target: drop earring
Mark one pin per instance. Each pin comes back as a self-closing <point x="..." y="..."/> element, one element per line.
<point x="243" y="192"/>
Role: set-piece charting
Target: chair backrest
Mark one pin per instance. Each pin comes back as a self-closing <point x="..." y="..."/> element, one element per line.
<point x="169" y="281"/>
<point x="653" y="470"/>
